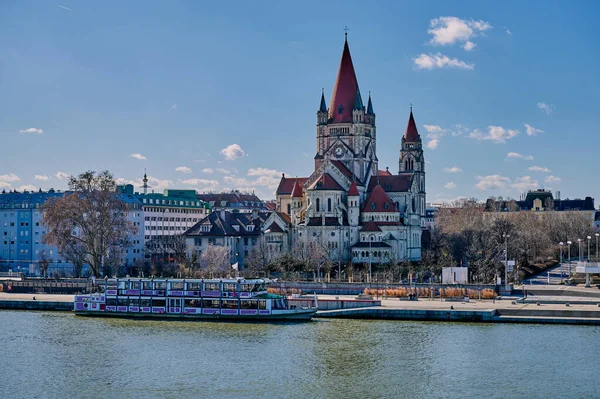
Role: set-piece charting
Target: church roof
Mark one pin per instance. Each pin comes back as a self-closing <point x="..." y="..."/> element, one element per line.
<point x="274" y="227"/>
<point x="411" y="134"/>
<point x="391" y="183"/>
<point x="370" y="106"/>
<point x="297" y="190"/>
<point x="323" y="106"/>
<point x="383" y="173"/>
<point x="286" y="184"/>
<point x="325" y="182"/>
<point x="379" y="201"/>
<point x="345" y="171"/>
<point x="345" y="91"/>
<point x="370" y="226"/>
<point x="353" y="190"/>
<point x="358" y="104"/>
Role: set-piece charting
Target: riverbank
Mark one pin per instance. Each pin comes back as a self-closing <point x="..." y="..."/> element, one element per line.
<point x="540" y="309"/>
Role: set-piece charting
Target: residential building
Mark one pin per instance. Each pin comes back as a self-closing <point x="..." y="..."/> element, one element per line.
<point x="234" y="201"/>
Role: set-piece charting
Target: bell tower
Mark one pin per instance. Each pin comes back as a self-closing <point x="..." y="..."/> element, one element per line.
<point x="412" y="161"/>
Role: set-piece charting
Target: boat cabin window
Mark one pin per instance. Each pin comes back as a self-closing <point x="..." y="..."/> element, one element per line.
<point x="122" y="285"/>
<point x="135" y="285"/>
<point x="111" y="302"/>
<point x="147" y="285"/>
<point x="279" y="303"/>
<point x="177" y="286"/>
<point x="193" y="303"/>
<point x="194" y="286"/>
<point x="230" y="287"/>
<point x="174" y="302"/>
<point x="160" y="285"/>
<point x="145" y="302"/>
<point x="210" y="303"/>
<point x="134" y="301"/>
<point x="158" y="303"/>
<point x="249" y="304"/>
<point x="122" y="301"/>
<point x="262" y="303"/>
<point x="246" y="287"/>
<point x="212" y="287"/>
<point x="229" y="304"/>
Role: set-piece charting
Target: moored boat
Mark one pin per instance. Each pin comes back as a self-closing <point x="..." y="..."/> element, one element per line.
<point x="215" y="299"/>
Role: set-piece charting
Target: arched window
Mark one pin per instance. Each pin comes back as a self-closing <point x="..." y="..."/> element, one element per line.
<point x="413" y="204"/>
<point x="318" y="204"/>
<point x="340" y="109"/>
<point x="289" y="206"/>
<point x="372" y="206"/>
<point x="328" y="204"/>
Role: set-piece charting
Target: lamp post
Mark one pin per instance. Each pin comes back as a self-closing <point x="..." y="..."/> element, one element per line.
<point x="561" y="261"/>
<point x="579" y="241"/>
<point x="569" y="244"/>
<point x="370" y="267"/>
<point x="588" y="253"/>
<point x="506" y="236"/>
<point x="597" y="235"/>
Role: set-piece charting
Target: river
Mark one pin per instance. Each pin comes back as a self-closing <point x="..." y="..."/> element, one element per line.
<point x="59" y="355"/>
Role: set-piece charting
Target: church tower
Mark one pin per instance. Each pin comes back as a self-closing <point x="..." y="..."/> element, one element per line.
<point x="346" y="130"/>
<point x="412" y="162"/>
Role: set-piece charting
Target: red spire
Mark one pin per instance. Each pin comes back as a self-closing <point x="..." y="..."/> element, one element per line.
<point x="411" y="134"/>
<point x="344" y="93"/>
<point x="379" y="201"/>
<point x="297" y="190"/>
<point x="353" y="190"/>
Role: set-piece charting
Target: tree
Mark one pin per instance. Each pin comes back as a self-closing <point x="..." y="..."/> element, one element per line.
<point x="91" y="219"/>
<point x="215" y="259"/>
<point x="261" y="258"/>
<point x="44" y="259"/>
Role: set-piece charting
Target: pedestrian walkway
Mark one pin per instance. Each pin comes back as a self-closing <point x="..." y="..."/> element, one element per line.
<point x="552" y="276"/>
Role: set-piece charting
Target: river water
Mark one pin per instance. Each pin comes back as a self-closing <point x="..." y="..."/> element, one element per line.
<point x="59" y="355"/>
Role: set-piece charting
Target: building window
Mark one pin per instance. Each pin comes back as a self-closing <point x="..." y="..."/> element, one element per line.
<point x="328" y="204"/>
<point x="340" y="109"/>
<point x="319" y="201"/>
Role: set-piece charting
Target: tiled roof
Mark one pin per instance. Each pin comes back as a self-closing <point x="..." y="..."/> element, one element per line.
<point x="383" y="173"/>
<point x="378" y="201"/>
<point x="285" y="217"/>
<point x="345" y="171"/>
<point x="232" y="199"/>
<point x="353" y="190"/>
<point x="286" y="185"/>
<point x="274" y="227"/>
<point x="411" y="134"/>
<point x="223" y="225"/>
<point x="370" y="226"/>
<point x="297" y="190"/>
<point x="392" y="183"/>
<point x="344" y="92"/>
<point x="325" y="182"/>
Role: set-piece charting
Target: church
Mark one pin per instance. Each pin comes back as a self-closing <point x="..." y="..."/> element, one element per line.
<point x="348" y="206"/>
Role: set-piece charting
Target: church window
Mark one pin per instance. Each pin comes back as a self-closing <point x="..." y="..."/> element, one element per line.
<point x="413" y="205"/>
<point x="289" y="209"/>
<point x="372" y="206"/>
<point x="333" y="233"/>
<point x="318" y="204"/>
<point x="340" y="109"/>
<point x="387" y="205"/>
<point x="328" y="204"/>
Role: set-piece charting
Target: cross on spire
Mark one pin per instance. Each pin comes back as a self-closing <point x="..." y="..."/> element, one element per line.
<point x="411" y="105"/>
<point x="346" y="32"/>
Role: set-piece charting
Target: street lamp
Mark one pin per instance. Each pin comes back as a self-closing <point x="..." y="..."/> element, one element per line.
<point x="579" y="241"/>
<point x="561" y="262"/>
<point x="506" y="236"/>
<point x="569" y="243"/>
<point x="370" y="267"/>
<point x="597" y="235"/>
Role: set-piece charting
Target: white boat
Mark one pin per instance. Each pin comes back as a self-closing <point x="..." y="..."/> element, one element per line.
<point x="216" y="299"/>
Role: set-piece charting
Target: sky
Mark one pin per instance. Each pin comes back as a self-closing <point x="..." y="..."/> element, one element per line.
<point x="223" y="95"/>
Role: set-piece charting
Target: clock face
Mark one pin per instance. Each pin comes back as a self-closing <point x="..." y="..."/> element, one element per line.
<point x="339" y="151"/>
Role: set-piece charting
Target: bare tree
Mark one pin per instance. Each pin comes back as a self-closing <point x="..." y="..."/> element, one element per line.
<point x="44" y="259"/>
<point x="261" y="258"/>
<point x="215" y="260"/>
<point x="92" y="217"/>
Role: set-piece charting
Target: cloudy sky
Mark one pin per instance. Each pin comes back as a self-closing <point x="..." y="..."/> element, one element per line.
<point x="211" y="96"/>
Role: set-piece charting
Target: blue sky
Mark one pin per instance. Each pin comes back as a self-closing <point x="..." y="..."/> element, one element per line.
<point x="179" y="87"/>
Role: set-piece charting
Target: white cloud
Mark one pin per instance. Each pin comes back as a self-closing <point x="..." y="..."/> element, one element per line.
<point x="62" y="175"/>
<point x="454" y="169"/>
<point x="508" y="32"/>
<point x="525" y="183"/>
<point x="433" y="144"/>
<point x="183" y="169"/>
<point x="497" y="134"/>
<point x="137" y="156"/>
<point x="434" y="129"/>
<point x="201" y="184"/>
<point x="266" y="177"/>
<point x="28" y="187"/>
<point x="539" y="169"/>
<point x="450" y="185"/>
<point x="223" y="170"/>
<point x="154" y="183"/>
<point x="491" y="182"/>
<point x="174" y="106"/>
<point x="521" y="156"/>
<point x="5" y="180"/>
<point x="207" y="170"/>
<point x="547" y="108"/>
<point x="532" y="131"/>
<point x="430" y="61"/>
<point x="237" y="181"/>
<point x="31" y="130"/>
<point x="41" y="177"/>
<point x="65" y="8"/>
<point x="233" y="151"/>
<point x="552" y="179"/>
<point x="450" y="30"/>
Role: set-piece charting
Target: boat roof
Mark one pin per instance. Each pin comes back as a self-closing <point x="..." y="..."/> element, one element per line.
<point x="191" y="280"/>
